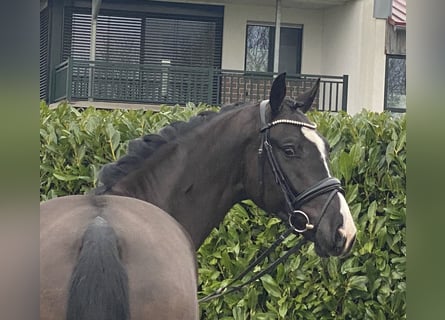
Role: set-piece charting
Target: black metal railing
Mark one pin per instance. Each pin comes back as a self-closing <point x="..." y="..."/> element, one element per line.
<point x="248" y="86"/>
<point x="168" y="84"/>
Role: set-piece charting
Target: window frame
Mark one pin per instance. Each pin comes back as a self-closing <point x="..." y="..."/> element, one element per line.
<point x="386" y="91"/>
<point x="272" y="28"/>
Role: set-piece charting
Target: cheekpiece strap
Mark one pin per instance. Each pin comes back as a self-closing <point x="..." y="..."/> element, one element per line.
<point x="263" y="106"/>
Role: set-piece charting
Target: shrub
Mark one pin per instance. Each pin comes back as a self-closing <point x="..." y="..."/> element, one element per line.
<point x="368" y="155"/>
<point x="75" y="144"/>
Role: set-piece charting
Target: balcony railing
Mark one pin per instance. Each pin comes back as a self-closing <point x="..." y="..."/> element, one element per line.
<point x="168" y="84"/>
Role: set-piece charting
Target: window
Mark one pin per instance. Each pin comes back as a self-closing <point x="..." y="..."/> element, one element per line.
<point x="260" y="45"/>
<point x="135" y="51"/>
<point x="395" y="83"/>
<point x="118" y="38"/>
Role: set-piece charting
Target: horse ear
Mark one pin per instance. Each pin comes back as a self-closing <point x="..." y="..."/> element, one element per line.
<point x="304" y="101"/>
<point x="277" y="93"/>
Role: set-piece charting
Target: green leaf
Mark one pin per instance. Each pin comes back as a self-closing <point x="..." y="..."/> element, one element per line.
<point x="390" y="152"/>
<point x="282" y="310"/>
<point x="332" y="268"/>
<point x="271" y="286"/>
<point x="372" y="209"/>
<point x="358" y="282"/>
<point x="356" y="153"/>
<point x="68" y="177"/>
<point x="115" y="140"/>
<point x="345" y="166"/>
<point x="239" y="313"/>
<point x="351" y="193"/>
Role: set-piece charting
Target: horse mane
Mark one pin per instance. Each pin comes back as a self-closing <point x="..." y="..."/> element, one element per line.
<point x="140" y="149"/>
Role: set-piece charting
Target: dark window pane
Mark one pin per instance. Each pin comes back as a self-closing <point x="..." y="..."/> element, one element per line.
<point x="260" y="44"/>
<point x="395" y="82"/>
<point x="290" y="50"/>
<point x="258" y="48"/>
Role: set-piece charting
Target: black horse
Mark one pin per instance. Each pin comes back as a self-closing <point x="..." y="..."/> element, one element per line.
<point x="128" y="251"/>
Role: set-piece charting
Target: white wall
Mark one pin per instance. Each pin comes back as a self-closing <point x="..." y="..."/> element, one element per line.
<point x="338" y="40"/>
<point x="354" y="44"/>
<point x="234" y="35"/>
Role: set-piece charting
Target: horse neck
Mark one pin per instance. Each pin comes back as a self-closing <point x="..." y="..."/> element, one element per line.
<point x="199" y="177"/>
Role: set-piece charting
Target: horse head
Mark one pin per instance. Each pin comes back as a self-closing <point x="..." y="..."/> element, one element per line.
<point x="294" y="177"/>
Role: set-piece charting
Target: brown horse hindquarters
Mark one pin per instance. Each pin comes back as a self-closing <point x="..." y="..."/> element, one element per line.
<point x="154" y="250"/>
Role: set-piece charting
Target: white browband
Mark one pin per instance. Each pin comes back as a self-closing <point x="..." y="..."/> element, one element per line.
<point x="286" y="121"/>
<point x="297" y="123"/>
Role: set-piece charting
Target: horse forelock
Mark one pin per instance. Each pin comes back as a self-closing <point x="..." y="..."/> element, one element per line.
<point x="142" y="148"/>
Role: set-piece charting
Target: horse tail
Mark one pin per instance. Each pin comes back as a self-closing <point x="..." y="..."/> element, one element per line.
<point x="98" y="288"/>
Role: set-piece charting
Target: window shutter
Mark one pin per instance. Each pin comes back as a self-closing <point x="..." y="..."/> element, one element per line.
<point x="187" y="49"/>
<point x="118" y="39"/>
<point x="153" y="53"/>
<point x="43" y="64"/>
<point x="190" y="43"/>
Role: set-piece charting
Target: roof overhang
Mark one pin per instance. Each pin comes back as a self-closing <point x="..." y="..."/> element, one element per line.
<point x="398" y="14"/>
<point x="304" y="4"/>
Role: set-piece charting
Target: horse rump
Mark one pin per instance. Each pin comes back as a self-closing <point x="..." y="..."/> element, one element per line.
<point x="98" y="288"/>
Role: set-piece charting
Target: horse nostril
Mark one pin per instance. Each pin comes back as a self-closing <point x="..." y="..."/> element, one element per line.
<point x="344" y="247"/>
<point x="351" y="245"/>
<point x="340" y="240"/>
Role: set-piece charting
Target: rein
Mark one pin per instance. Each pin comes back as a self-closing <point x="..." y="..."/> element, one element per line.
<point x="294" y="201"/>
<point x="229" y="288"/>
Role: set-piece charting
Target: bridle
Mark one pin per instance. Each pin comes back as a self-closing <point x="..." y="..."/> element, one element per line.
<point x="294" y="201"/>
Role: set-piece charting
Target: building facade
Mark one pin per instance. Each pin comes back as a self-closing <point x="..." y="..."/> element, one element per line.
<point x="220" y="51"/>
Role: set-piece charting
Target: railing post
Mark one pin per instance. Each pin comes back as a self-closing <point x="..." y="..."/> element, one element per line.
<point x="165" y="73"/>
<point x="344" y="98"/>
<point x="210" y="87"/>
<point x="69" y="77"/>
<point x="218" y="78"/>
<point x="91" y="80"/>
<point x="52" y="85"/>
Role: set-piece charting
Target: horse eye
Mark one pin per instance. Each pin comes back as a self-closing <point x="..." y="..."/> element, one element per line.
<point x="289" y="151"/>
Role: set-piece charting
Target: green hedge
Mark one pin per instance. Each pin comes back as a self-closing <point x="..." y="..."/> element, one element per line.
<point x="75" y="144"/>
<point x="368" y="155"/>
